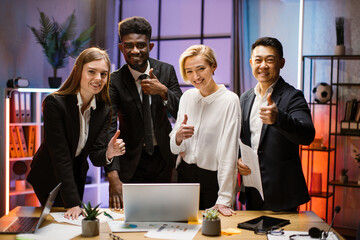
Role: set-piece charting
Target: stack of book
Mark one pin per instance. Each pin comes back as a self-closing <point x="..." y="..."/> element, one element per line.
<point x="351" y="122"/>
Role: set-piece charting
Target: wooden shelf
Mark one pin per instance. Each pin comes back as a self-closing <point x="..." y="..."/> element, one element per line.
<point x="348" y="184"/>
<point x="20" y="159"/>
<point x="321" y="194"/>
<point x="317" y="149"/>
<point x="337" y="57"/>
<point x="13" y="192"/>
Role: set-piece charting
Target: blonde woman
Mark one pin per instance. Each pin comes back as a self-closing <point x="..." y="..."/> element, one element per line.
<point x="206" y="131"/>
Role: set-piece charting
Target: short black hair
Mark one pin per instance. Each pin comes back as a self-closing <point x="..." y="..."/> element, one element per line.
<point x="135" y="24"/>
<point x="269" y="41"/>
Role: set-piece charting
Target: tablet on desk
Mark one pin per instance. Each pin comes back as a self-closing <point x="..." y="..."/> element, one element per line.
<point x="264" y="222"/>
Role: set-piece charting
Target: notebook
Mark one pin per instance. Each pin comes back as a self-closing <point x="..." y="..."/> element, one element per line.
<point x="13" y="224"/>
<point x="161" y="202"/>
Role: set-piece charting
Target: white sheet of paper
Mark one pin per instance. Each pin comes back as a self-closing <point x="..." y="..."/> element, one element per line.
<point x="174" y="230"/>
<point x="59" y="217"/>
<point x="122" y="226"/>
<point x="53" y="231"/>
<point x="287" y="234"/>
<point x="250" y="158"/>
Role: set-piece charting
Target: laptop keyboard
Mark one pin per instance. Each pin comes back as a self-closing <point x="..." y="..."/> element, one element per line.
<point x="23" y="224"/>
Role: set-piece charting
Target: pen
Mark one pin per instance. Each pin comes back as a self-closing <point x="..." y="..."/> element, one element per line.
<point x="113" y="236"/>
<point x="108" y="215"/>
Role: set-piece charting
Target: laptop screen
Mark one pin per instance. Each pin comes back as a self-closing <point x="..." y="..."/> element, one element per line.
<point x="161" y="202"/>
<point x="48" y="205"/>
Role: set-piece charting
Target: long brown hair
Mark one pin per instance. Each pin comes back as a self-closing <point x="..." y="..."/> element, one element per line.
<point x="72" y="84"/>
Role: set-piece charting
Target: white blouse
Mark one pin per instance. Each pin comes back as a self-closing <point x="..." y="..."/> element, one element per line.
<point x="214" y="145"/>
<point x="84" y="122"/>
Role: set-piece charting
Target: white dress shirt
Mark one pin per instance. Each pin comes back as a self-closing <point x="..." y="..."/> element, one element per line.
<point x="84" y="119"/>
<point x="136" y="75"/>
<point x="255" y="120"/>
<point x="214" y="145"/>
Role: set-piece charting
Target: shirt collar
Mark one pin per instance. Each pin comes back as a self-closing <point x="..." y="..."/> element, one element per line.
<point x="209" y="99"/>
<point x="136" y="74"/>
<point x="269" y="90"/>
<point x="80" y="102"/>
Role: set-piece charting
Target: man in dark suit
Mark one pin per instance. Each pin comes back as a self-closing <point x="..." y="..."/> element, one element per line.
<point x="148" y="158"/>
<point x="275" y="120"/>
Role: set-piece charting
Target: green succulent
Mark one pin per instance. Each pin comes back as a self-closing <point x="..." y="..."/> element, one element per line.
<point x="211" y="214"/>
<point x="58" y="40"/>
<point x="90" y="213"/>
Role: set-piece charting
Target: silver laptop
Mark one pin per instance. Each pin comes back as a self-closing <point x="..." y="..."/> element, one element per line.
<point x="161" y="202"/>
<point x="13" y="224"/>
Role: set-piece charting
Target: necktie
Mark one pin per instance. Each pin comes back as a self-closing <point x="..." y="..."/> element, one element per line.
<point x="149" y="147"/>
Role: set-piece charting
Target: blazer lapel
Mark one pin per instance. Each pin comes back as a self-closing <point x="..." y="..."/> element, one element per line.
<point x="154" y="99"/>
<point x="276" y="97"/>
<point x="248" y="102"/>
<point x="97" y="119"/>
<point x="131" y="86"/>
<point x="74" y="112"/>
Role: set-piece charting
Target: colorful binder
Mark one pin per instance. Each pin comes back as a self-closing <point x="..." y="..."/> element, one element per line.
<point x="16" y="140"/>
<point x="22" y="142"/>
<point x="30" y="134"/>
<point x="13" y="153"/>
<point x="22" y="107"/>
<point x="27" y="107"/>
<point x="15" y="107"/>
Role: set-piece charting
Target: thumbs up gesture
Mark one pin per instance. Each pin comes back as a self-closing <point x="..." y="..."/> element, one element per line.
<point x="152" y="86"/>
<point x="269" y="114"/>
<point x="184" y="132"/>
<point x="116" y="147"/>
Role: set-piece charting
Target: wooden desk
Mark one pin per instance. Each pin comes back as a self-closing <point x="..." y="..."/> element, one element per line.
<point x="302" y="221"/>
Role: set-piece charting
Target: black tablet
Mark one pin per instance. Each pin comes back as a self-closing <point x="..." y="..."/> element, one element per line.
<point x="264" y="223"/>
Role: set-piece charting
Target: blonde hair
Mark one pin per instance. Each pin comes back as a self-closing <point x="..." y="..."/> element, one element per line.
<point x="194" y="50"/>
<point x="72" y="83"/>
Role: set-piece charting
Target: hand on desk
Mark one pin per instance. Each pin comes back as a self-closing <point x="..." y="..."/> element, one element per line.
<point x="115" y="190"/>
<point x="224" y="210"/>
<point x="73" y="213"/>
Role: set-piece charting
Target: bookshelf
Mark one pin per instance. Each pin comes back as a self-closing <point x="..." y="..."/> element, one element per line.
<point x="28" y="120"/>
<point x="337" y="135"/>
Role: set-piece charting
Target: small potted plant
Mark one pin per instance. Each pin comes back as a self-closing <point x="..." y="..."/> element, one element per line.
<point x="211" y="225"/>
<point x="58" y="42"/>
<point x="344" y="177"/>
<point x="339" y="48"/>
<point x="90" y="224"/>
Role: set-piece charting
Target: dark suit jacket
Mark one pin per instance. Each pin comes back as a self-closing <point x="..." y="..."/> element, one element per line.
<point x="55" y="160"/>
<point x="126" y="104"/>
<point x="282" y="178"/>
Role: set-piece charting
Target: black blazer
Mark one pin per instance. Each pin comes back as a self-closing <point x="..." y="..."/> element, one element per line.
<point x="55" y="160"/>
<point x="126" y="105"/>
<point x="282" y="178"/>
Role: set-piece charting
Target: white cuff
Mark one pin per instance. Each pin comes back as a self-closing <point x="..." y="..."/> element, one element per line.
<point x="175" y="149"/>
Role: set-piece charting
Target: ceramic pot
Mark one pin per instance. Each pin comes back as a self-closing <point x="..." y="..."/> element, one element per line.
<point x="54" y="82"/>
<point x="20" y="185"/>
<point x="211" y="227"/>
<point x="90" y="228"/>
<point x="344" y="178"/>
<point x="339" y="50"/>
